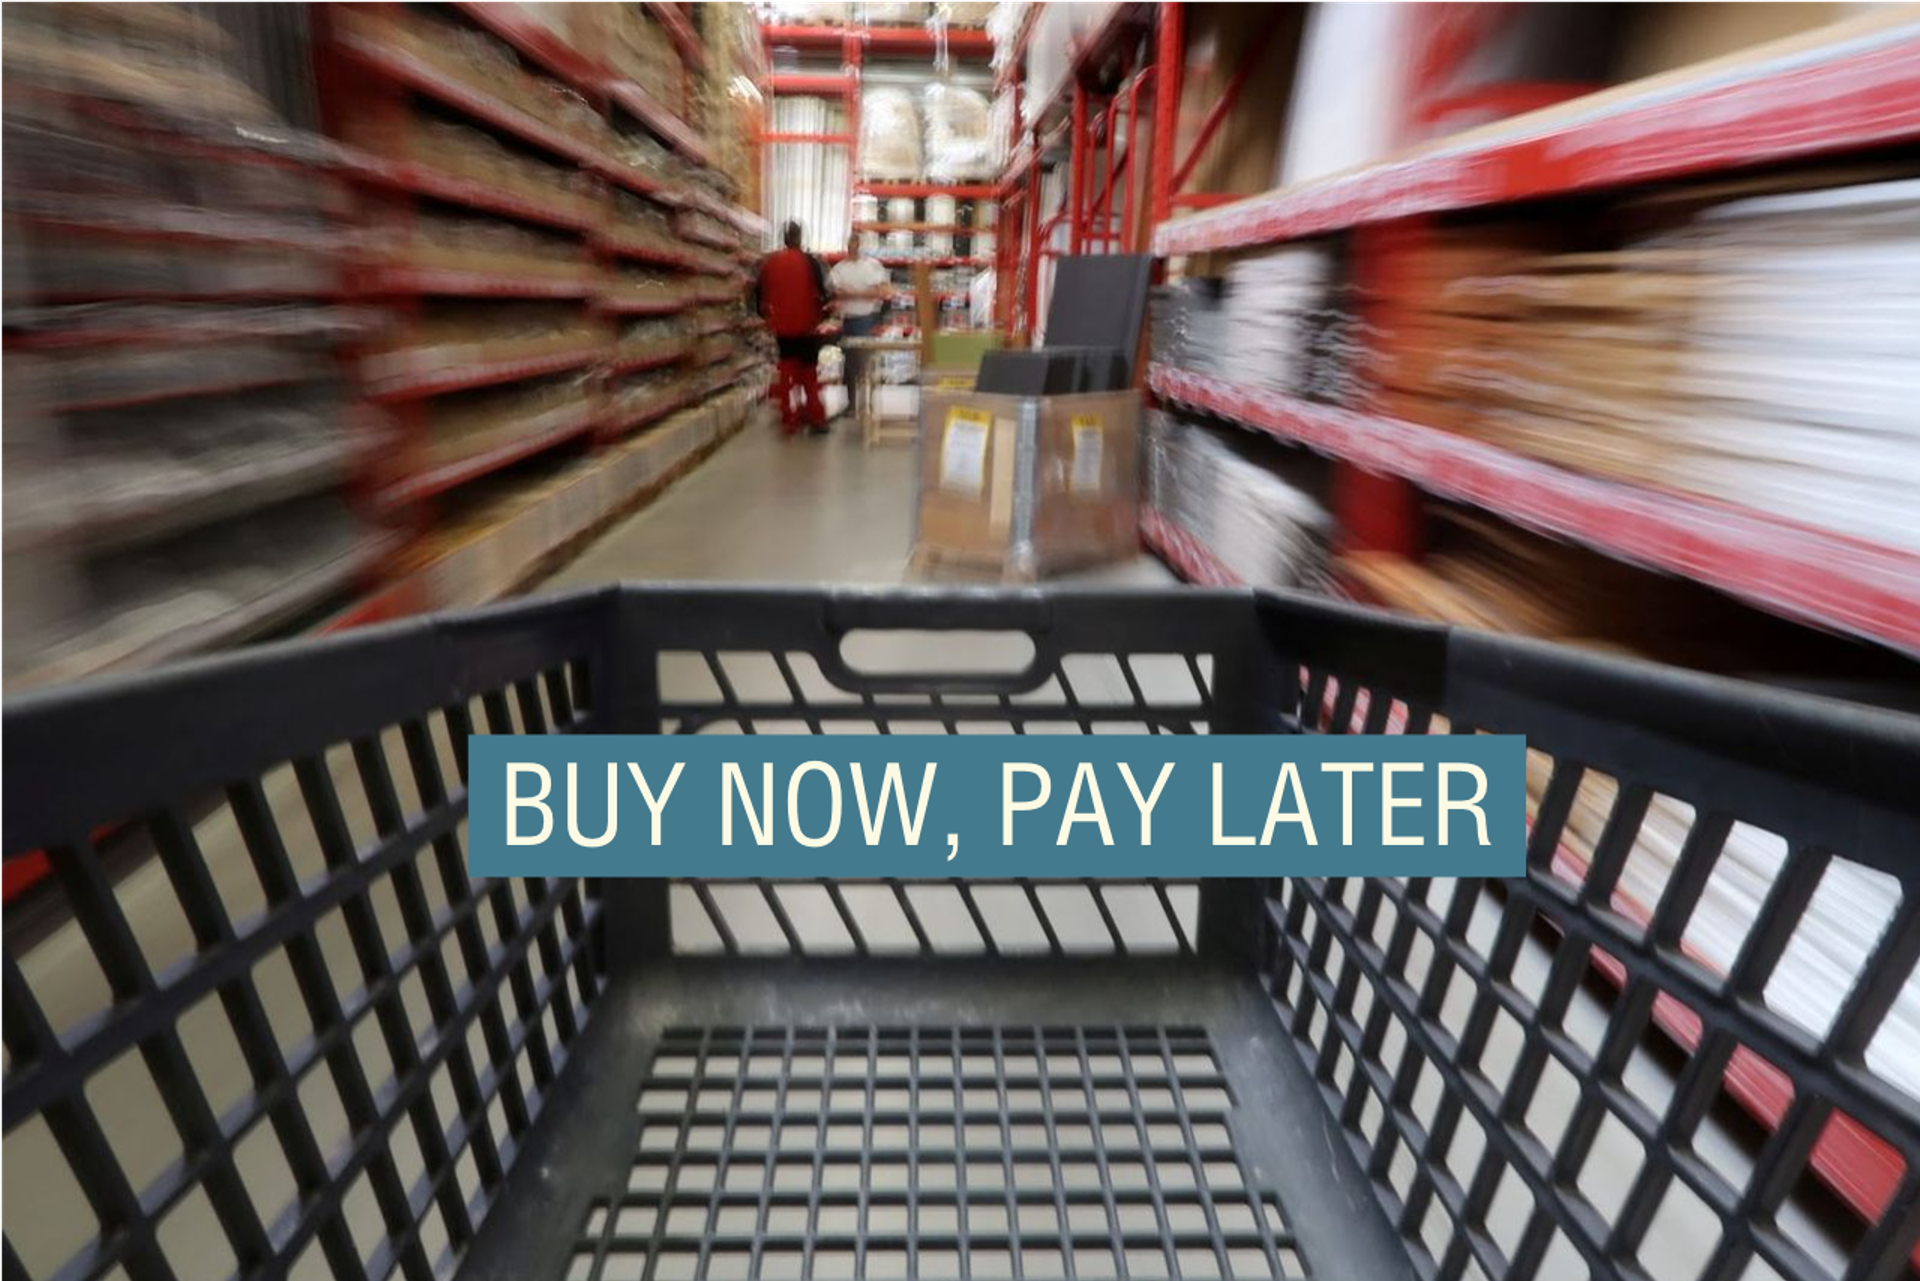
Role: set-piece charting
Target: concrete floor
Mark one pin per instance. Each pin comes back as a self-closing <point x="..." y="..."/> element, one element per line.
<point x="766" y="509"/>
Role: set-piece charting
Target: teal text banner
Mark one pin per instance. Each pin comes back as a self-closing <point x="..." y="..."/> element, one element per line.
<point x="999" y="806"/>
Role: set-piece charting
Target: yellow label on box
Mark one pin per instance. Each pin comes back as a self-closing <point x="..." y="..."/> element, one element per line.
<point x="963" y="449"/>
<point x="1089" y="454"/>
<point x="954" y="382"/>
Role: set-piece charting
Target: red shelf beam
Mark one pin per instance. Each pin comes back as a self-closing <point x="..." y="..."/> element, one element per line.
<point x="1853" y="93"/>
<point x="423" y="180"/>
<point x="921" y="190"/>
<point x="1186" y="555"/>
<point x="826" y="86"/>
<point x="680" y="31"/>
<point x="473" y="284"/>
<point x="439" y="480"/>
<point x="1825" y="579"/>
<point x="639" y="181"/>
<point x="903" y="42"/>
<point x="639" y="251"/>
<point x="418" y="384"/>
<point x="638" y="364"/>
<point x="635" y="307"/>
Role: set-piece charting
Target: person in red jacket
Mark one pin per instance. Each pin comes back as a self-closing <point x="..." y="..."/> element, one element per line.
<point x="791" y="293"/>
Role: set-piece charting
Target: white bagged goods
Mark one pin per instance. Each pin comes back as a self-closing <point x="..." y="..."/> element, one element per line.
<point x="900" y="209"/>
<point x="866" y="208"/>
<point x="1251" y="505"/>
<point x="942" y="211"/>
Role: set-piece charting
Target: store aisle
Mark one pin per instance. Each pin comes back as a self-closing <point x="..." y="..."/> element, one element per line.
<point x="769" y="510"/>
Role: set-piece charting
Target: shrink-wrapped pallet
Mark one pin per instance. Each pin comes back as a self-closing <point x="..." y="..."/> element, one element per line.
<point x="889" y="135"/>
<point x="958" y="139"/>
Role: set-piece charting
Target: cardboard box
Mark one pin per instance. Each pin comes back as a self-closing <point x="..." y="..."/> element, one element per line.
<point x="1021" y="488"/>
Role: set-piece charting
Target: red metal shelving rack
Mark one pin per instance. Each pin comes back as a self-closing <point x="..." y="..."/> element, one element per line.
<point x="366" y="83"/>
<point x="1855" y="93"/>
<point x="1858" y="91"/>
<point x="1824" y="579"/>
<point x="1851" y="95"/>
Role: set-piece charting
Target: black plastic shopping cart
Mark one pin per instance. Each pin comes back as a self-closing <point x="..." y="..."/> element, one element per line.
<point x="260" y="1020"/>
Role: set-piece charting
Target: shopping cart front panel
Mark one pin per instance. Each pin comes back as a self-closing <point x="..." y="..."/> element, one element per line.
<point x="259" y="1018"/>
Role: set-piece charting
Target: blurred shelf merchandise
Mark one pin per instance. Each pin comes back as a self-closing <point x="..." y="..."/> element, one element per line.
<point x="1640" y="280"/>
<point x="285" y="282"/>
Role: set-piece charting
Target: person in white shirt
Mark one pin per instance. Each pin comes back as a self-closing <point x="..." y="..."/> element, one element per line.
<point x="860" y="285"/>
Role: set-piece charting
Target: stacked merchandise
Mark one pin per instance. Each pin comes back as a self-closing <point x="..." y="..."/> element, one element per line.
<point x="1487" y="573"/>
<point x="645" y="396"/>
<point x="448" y="336"/>
<point x="476" y="61"/>
<point x="649" y="340"/>
<point x="635" y="45"/>
<point x="466" y="426"/>
<point x="734" y="61"/>
<point x="1757" y="350"/>
<point x="1057" y="32"/>
<point x="653" y="163"/>
<point x="481" y="246"/>
<point x="458" y="151"/>
<point x="1279" y="320"/>
<point x="1255" y="506"/>
<point x="178" y="434"/>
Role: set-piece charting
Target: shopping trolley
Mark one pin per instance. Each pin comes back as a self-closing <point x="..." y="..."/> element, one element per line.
<point x="259" y="1019"/>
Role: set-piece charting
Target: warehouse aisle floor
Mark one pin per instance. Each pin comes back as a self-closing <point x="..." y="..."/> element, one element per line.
<point x="765" y="509"/>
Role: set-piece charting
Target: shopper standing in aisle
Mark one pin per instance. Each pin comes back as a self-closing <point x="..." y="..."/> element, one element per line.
<point x="859" y="285"/>
<point x="791" y="294"/>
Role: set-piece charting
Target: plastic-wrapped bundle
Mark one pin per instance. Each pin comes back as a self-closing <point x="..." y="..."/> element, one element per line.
<point x="889" y="135"/>
<point x="958" y="134"/>
<point x="1259" y="516"/>
<point x="1003" y="28"/>
<point x="893" y="13"/>
<point x="961" y="13"/>
<point x="1000" y="122"/>
<point x="943" y="211"/>
<point x="808" y="13"/>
